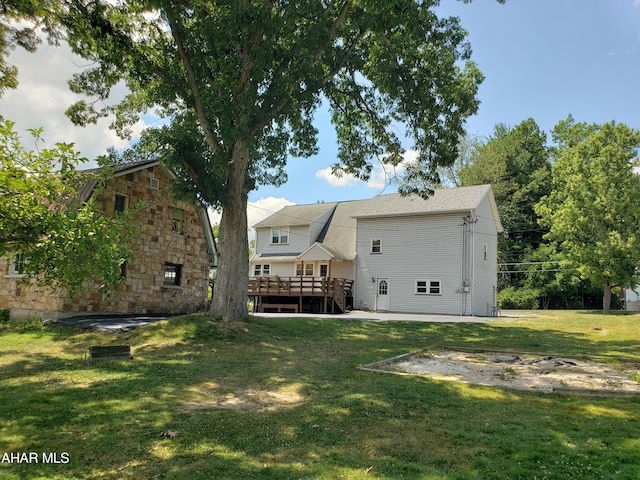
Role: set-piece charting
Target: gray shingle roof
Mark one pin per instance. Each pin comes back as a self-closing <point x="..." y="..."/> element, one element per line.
<point x="293" y="215"/>
<point x="443" y="200"/>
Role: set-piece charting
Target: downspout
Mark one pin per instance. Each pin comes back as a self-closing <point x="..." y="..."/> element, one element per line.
<point x="472" y="242"/>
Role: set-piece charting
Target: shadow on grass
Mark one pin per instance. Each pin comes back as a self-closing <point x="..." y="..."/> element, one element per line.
<point x="108" y="415"/>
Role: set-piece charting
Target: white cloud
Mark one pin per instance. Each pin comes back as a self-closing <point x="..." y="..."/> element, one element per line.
<point x="43" y="96"/>
<point x="346" y="180"/>
<point x="379" y="178"/>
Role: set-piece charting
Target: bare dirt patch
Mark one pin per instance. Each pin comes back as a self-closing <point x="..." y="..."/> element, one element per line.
<point x="252" y="400"/>
<point x="520" y="371"/>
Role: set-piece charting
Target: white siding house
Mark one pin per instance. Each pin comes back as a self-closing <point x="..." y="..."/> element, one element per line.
<point x="402" y="254"/>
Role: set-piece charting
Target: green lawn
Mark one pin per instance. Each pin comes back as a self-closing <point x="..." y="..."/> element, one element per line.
<point x="299" y="409"/>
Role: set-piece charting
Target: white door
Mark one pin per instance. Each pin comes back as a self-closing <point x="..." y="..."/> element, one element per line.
<point x="382" y="294"/>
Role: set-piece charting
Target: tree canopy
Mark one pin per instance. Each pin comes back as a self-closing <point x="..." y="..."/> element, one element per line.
<point x="593" y="210"/>
<point x="515" y="161"/>
<point x="240" y="81"/>
<point x="63" y="240"/>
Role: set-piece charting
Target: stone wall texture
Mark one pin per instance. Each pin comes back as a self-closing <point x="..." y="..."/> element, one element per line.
<point x="172" y="234"/>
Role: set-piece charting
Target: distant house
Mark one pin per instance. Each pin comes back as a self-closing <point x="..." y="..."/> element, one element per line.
<point x="172" y="256"/>
<point x="389" y="253"/>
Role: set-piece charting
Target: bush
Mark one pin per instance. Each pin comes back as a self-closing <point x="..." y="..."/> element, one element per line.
<point x="4" y="315"/>
<point x="519" y="299"/>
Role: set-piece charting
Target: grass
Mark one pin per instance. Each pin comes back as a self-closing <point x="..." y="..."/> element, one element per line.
<point x="297" y="408"/>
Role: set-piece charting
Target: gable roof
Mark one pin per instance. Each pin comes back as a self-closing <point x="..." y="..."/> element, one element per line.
<point x="444" y="200"/>
<point x="296" y="215"/>
<point x="338" y="236"/>
<point x="87" y="191"/>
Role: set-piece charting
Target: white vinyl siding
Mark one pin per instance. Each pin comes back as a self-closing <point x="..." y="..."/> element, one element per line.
<point x="428" y="287"/>
<point x="412" y="246"/>
<point x="298" y="241"/>
<point x="484" y="275"/>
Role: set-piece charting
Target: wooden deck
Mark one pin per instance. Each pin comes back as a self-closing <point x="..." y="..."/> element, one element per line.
<point x="334" y="291"/>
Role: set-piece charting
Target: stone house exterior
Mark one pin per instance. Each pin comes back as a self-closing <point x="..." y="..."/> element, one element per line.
<point x="172" y="256"/>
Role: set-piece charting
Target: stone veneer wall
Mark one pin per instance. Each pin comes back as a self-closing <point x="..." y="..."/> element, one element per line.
<point x="144" y="291"/>
<point x="25" y="300"/>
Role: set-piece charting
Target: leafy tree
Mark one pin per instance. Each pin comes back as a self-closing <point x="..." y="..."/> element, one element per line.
<point x="593" y="210"/>
<point x="20" y="23"/>
<point x="240" y="82"/>
<point x="515" y="161"/>
<point x="64" y="240"/>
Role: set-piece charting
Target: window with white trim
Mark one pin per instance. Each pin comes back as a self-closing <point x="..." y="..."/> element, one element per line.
<point x="376" y="245"/>
<point x="428" y="287"/>
<point x="280" y="236"/>
<point x="298" y="269"/>
<point x="17" y="264"/>
<point x="308" y="269"/>
<point x="260" y="269"/>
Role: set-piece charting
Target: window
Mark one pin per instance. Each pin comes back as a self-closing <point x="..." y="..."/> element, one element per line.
<point x="172" y="273"/>
<point x="17" y="264"/>
<point x="324" y="270"/>
<point x="121" y="203"/>
<point x="280" y="236"/>
<point x="261" y="270"/>
<point x="177" y="216"/>
<point x="308" y="269"/>
<point x="298" y="269"/>
<point x="376" y="245"/>
<point x="428" y="287"/>
<point x="154" y="184"/>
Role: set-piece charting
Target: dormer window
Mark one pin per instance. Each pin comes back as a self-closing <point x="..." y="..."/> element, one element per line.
<point x="280" y="236"/>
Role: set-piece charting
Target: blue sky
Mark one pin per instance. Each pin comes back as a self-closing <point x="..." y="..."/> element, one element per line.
<point x="542" y="59"/>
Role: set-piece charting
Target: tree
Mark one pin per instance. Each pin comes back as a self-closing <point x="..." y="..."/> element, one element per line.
<point x="63" y="240"/>
<point x="20" y="23"/>
<point x="593" y="210"/>
<point x="240" y="82"/>
<point x="515" y="161"/>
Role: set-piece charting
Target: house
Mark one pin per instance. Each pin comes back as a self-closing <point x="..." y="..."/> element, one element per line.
<point x="172" y="256"/>
<point x="389" y="253"/>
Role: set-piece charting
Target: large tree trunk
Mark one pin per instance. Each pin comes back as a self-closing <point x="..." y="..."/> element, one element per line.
<point x="230" y="295"/>
<point x="606" y="299"/>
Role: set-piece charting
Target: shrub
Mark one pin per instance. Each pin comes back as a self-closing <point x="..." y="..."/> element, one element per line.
<point x="4" y="315"/>
<point x="519" y="298"/>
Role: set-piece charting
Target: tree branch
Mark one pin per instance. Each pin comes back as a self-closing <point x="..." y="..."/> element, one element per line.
<point x="192" y="82"/>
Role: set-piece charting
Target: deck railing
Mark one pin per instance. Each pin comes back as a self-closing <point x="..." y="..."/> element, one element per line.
<point x="336" y="288"/>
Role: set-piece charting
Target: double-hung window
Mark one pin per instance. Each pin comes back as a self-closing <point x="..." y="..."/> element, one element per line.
<point x="376" y="245"/>
<point x="17" y="265"/>
<point x="280" y="236"/>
